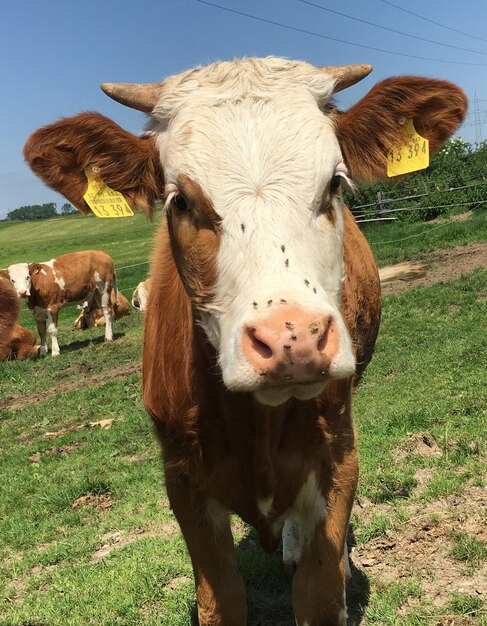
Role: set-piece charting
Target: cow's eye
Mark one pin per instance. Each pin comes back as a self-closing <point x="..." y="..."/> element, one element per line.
<point x="335" y="183"/>
<point x="180" y="202"/>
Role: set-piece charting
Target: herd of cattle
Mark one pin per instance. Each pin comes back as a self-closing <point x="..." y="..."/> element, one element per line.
<point x="86" y="279"/>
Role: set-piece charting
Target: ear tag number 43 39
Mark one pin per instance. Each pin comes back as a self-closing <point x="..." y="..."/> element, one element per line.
<point x="412" y="155"/>
<point x="102" y="200"/>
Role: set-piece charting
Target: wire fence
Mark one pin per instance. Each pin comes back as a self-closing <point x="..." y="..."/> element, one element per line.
<point x="381" y="211"/>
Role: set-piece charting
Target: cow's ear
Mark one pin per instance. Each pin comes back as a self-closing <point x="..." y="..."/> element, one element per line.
<point x="34" y="268"/>
<point x="61" y="152"/>
<point x="373" y="126"/>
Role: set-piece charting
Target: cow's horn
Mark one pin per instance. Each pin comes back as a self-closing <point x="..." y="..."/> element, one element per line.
<point x="346" y="75"/>
<point x="140" y="96"/>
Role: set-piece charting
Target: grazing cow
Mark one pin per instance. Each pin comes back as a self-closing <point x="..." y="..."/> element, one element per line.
<point x="140" y="297"/>
<point x="265" y="298"/>
<point x="70" y="279"/>
<point x="91" y="315"/>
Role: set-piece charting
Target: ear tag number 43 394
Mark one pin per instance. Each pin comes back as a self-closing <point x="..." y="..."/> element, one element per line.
<point x="102" y="200"/>
<point x="411" y="155"/>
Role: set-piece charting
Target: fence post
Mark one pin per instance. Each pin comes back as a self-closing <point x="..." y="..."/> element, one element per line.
<point x="380" y="206"/>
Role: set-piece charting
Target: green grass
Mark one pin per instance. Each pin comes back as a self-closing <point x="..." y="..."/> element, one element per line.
<point x="469" y="549"/>
<point x="463" y="604"/>
<point x="426" y="377"/>
<point x="128" y="241"/>
<point x="397" y="241"/>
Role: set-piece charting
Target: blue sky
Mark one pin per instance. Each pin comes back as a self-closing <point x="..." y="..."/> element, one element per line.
<point x="56" y="53"/>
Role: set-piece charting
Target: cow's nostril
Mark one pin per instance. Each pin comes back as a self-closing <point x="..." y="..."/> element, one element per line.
<point x="323" y="337"/>
<point x="259" y="346"/>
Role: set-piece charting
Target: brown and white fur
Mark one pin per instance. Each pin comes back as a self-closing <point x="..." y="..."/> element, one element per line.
<point x="91" y="315"/>
<point x="265" y="298"/>
<point x="9" y="308"/>
<point x="140" y="297"/>
<point x="16" y="342"/>
<point x="69" y="279"/>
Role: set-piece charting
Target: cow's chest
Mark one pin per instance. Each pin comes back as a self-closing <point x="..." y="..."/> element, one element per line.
<point x="267" y="484"/>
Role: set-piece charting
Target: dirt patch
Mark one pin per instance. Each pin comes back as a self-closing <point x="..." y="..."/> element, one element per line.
<point x="463" y="217"/>
<point x="421" y="548"/>
<point x="177" y="583"/>
<point x="116" y="540"/>
<point x="423" y="445"/>
<point x="14" y="403"/>
<point x="105" y="424"/>
<point x="442" y="266"/>
<point x="138" y="457"/>
<point x="56" y="451"/>
<point x="20" y="584"/>
<point x="102" y="501"/>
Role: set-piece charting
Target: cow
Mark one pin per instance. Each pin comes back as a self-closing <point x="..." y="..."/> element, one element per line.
<point x="140" y="297"/>
<point x="265" y="299"/>
<point x="20" y="345"/>
<point x="72" y="278"/>
<point x="16" y="342"/>
<point x="91" y="315"/>
<point x="9" y="309"/>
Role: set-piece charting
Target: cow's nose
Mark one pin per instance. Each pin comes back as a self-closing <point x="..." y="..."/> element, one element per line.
<point x="291" y="345"/>
<point x="24" y="293"/>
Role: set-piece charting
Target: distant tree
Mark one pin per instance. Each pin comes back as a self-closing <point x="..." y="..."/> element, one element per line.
<point x="68" y="209"/>
<point x="33" y="212"/>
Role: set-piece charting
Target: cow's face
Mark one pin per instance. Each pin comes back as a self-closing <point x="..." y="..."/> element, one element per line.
<point x="19" y="276"/>
<point x="253" y="175"/>
<point x="249" y="157"/>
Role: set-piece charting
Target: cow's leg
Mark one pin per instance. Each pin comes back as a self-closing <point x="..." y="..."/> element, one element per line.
<point x="105" y="290"/>
<point x="52" y="319"/>
<point x="40" y="316"/>
<point x="319" y="581"/>
<point x="220" y="592"/>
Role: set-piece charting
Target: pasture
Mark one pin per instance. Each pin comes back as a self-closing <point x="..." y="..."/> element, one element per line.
<point x="86" y="534"/>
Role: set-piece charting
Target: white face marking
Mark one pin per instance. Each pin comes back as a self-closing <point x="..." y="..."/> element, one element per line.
<point x="20" y="278"/>
<point x="253" y="136"/>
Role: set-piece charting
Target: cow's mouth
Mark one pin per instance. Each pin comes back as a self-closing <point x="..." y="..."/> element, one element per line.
<point x="278" y="394"/>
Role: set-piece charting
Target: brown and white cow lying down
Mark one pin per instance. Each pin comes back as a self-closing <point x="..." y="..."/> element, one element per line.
<point x="21" y="345"/>
<point x="70" y="279"/>
<point x="91" y="315"/>
<point x="140" y="297"/>
<point x="9" y="308"/>
<point x="16" y="342"/>
<point x="265" y="299"/>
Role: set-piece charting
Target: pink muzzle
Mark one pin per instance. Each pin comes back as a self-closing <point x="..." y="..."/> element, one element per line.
<point x="291" y="345"/>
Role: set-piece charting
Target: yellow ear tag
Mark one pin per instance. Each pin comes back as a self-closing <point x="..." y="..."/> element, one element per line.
<point x="412" y="155"/>
<point x="102" y="200"/>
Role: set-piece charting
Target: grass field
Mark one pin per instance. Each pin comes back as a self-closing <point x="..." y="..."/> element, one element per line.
<point x="86" y="534"/>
